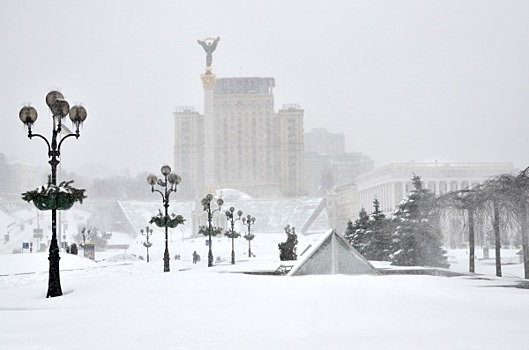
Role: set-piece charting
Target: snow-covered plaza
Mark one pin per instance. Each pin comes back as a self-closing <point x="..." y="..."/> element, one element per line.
<point x="119" y="304"/>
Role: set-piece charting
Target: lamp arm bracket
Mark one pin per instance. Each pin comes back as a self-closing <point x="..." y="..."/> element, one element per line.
<point x="65" y="137"/>
<point x="31" y="135"/>
<point x="160" y="192"/>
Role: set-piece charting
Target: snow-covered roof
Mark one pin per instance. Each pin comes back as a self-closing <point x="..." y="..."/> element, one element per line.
<point x="307" y="215"/>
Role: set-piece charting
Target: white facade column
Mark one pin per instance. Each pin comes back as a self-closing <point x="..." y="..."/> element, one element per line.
<point x="208" y="82"/>
<point x="392" y="196"/>
<point x="386" y="197"/>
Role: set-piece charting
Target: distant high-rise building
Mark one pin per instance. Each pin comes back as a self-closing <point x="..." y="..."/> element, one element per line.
<point x="240" y="141"/>
<point x="328" y="164"/>
<point x="320" y="141"/>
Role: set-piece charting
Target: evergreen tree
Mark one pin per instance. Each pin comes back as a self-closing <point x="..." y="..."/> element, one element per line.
<point x="287" y="249"/>
<point x="356" y="232"/>
<point x="378" y="236"/>
<point x="418" y="232"/>
<point x="349" y="231"/>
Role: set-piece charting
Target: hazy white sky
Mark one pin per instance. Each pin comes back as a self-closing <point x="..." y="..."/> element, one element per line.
<point x="403" y="80"/>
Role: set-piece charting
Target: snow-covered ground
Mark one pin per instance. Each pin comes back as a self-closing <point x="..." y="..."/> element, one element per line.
<point x="134" y="305"/>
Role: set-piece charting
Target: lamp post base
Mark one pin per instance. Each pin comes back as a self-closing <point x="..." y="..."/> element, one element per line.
<point x="54" y="281"/>
<point x="210" y="256"/>
<point x="166" y="260"/>
<point x="210" y="259"/>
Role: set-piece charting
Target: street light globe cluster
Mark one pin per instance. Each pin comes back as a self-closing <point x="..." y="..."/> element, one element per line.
<point x="249" y="221"/>
<point x="206" y="204"/>
<point x="28" y="115"/>
<point x="172" y="178"/>
<point x="169" y="184"/>
<point x="59" y="107"/>
<point x="231" y="218"/>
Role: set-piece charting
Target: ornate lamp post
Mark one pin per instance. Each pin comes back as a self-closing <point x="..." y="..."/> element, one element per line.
<point x="231" y="218"/>
<point x="249" y="221"/>
<point x="28" y="115"/>
<point x="147" y="234"/>
<point x="169" y="184"/>
<point x="206" y="203"/>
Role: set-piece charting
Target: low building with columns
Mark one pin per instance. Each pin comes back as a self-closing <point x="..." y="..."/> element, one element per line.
<point x="392" y="182"/>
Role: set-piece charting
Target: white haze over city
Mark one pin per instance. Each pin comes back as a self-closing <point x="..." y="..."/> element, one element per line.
<point x="403" y="80"/>
<point x="444" y="80"/>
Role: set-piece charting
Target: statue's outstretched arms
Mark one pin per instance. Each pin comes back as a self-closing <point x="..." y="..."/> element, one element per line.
<point x="214" y="44"/>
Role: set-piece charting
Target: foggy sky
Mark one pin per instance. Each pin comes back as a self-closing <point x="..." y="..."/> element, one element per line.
<point x="403" y="80"/>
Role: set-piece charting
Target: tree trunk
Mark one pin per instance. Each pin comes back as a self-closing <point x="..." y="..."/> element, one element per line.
<point x="524" y="225"/>
<point x="471" y="240"/>
<point x="497" y="243"/>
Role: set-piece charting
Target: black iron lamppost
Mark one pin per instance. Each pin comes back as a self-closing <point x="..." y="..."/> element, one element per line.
<point x="147" y="233"/>
<point x="169" y="185"/>
<point x="249" y="221"/>
<point x="206" y="203"/>
<point x="231" y="218"/>
<point x="28" y="115"/>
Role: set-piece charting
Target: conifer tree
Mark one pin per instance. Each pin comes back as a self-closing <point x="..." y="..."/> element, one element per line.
<point x="356" y="232"/>
<point x="379" y="237"/>
<point x="287" y="249"/>
<point x="418" y="232"/>
<point x="349" y="231"/>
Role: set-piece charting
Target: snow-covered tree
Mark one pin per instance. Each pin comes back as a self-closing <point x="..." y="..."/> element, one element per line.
<point x="287" y="249"/>
<point x="418" y="235"/>
<point x="379" y="236"/>
<point x="349" y="231"/>
<point x="356" y="232"/>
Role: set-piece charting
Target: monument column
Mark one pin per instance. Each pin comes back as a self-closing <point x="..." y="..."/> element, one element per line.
<point x="208" y="82"/>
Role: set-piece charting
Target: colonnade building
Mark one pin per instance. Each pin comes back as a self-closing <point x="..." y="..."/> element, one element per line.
<point x="391" y="183"/>
<point x="240" y="141"/>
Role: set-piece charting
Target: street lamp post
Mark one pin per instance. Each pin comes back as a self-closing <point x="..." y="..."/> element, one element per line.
<point x="231" y="218"/>
<point x="169" y="185"/>
<point x="60" y="109"/>
<point x="249" y="221"/>
<point x="206" y="203"/>
<point x="147" y="233"/>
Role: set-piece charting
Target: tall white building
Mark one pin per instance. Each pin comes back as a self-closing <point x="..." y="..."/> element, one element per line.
<point x="240" y="141"/>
